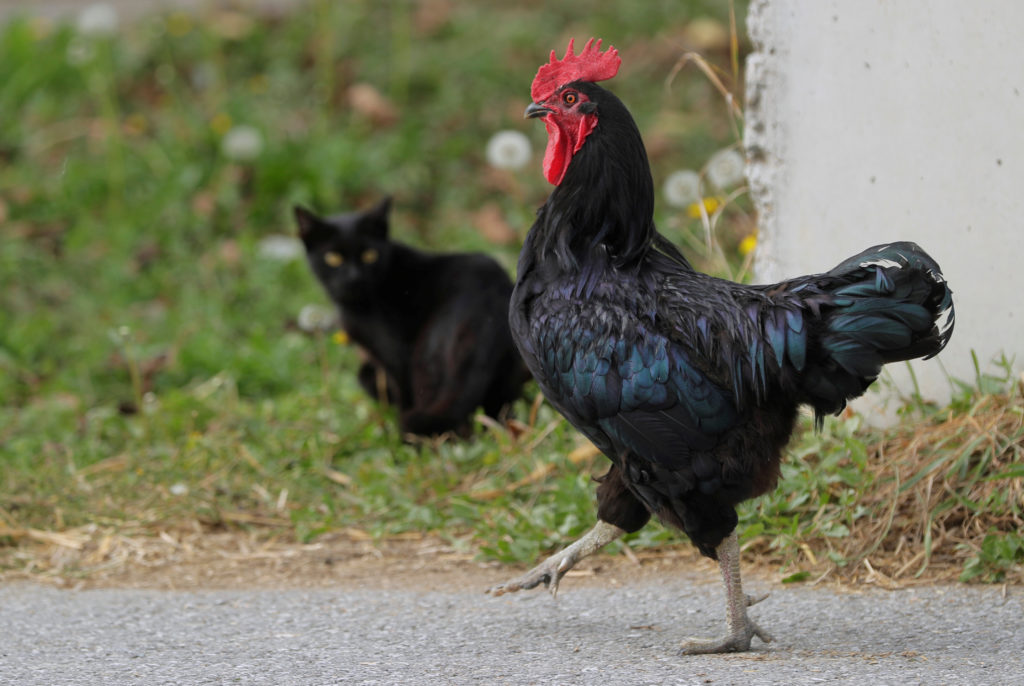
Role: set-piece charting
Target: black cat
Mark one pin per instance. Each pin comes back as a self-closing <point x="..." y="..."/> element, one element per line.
<point x="433" y="327"/>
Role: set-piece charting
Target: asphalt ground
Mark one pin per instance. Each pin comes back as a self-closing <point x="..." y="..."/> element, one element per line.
<point x="626" y="634"/>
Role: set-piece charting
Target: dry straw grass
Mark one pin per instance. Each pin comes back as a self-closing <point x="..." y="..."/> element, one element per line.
<point x="933" y="491"/>
<point x="939" y="492"/>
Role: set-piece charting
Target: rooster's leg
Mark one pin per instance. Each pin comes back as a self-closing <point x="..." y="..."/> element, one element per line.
<point x="550" y="571"/>
<point x="741" y="628"/>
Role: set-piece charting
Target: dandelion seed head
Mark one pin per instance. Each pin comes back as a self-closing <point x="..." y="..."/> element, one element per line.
<point x="682" y="188"/>
<point x="508" y="150"/>
<point x="98" y="20"/>
<point x="726" y="168"/>
<point x="80" y="51"/>
<point x="203" y="76"/>
<point x="314" y="318"/>
<point x="280" y="248"/>
<point x="242" y="143"/>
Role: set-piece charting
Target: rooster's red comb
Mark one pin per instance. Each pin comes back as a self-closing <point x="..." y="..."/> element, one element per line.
<point x="590" y="65"/>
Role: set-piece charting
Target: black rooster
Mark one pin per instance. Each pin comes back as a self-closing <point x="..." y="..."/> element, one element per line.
<point x="688" y="383"/>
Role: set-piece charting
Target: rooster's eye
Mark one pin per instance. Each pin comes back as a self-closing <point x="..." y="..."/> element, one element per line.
<point x="569" y="98"/>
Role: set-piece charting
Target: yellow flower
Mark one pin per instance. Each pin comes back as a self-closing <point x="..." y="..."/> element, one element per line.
<point x="41" y="27"/>
<point x="748" y="244"/>
<point x="221" y="123"/>
<point x="258" y="84"/>
<point x="340" y="337"/>
<point x="710" y="205"/>
<point x="178" y="24"/>
<point x="135" y="124"/>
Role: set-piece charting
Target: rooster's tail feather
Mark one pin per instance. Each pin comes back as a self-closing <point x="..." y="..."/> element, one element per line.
<point x="890" y="303"/>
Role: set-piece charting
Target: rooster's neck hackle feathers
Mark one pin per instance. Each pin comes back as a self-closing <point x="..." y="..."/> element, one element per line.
<point x="604" y="205"/>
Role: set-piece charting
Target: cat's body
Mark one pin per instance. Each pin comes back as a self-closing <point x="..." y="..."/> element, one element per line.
<point x="433" y="327"/>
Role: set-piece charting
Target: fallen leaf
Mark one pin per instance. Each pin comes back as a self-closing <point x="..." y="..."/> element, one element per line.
<point x="491" y="224"/>
<point x="230" y="24"/>
<point x="338" y="477"/>
<point x="705" y="34"/>
<point x="432" y="15"/>
<point x="372" y="104"/>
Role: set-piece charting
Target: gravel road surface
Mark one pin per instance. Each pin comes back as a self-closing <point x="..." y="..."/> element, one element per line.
<point x="589" y="635"/>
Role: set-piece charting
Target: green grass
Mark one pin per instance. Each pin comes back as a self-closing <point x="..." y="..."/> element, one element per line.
<point x="151" y="372"/>
<point x="152" y="376"/>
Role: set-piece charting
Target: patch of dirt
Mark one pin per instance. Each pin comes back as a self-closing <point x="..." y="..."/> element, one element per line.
<point x="198" y="558"/>
<point x="237" y="560"/>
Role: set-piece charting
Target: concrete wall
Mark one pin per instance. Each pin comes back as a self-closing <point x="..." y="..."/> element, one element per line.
<point x="877" y="120"/>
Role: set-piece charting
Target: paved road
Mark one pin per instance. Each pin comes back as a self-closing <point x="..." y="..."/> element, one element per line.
<point x="590" y="635"/>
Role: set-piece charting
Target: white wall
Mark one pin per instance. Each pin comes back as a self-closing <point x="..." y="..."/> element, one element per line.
<point x="870" y="121"/>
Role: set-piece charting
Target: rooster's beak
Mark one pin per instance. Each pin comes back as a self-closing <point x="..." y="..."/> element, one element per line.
<point x="534" y="110"/>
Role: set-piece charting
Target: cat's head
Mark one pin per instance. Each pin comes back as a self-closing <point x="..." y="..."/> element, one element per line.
<point x="348" y="252"/>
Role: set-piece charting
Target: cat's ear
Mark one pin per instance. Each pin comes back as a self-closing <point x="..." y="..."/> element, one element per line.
<point x="310" y="226"/>
<point x="377" y="217"/>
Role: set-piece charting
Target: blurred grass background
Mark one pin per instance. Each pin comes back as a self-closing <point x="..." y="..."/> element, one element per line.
<point x="152" y="373"/>
<point x="132" y="225"/>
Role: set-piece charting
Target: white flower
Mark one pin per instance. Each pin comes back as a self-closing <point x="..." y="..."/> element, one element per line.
<point x="80" y="51"/>
<point x="726" y="168"/>
<point x="179" y="489"/>
<point x="203" y="75"/>
<point x="317" y="318"/>
<point x="98" y="20"/>
<point x="280" y="247"/>
<point x="508" y="150"/>
<point x="682" y="188"/>
<point x="242" y="143"/>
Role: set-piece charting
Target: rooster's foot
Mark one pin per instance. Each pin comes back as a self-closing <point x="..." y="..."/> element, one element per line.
<point x="735" y="642"/>
<point x="550" y="571"/>
<point x="742" y="628"/>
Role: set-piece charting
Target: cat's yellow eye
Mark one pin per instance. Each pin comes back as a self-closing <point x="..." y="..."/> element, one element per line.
<point x="333" y="259"/>
<point x="370" y="256"/>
